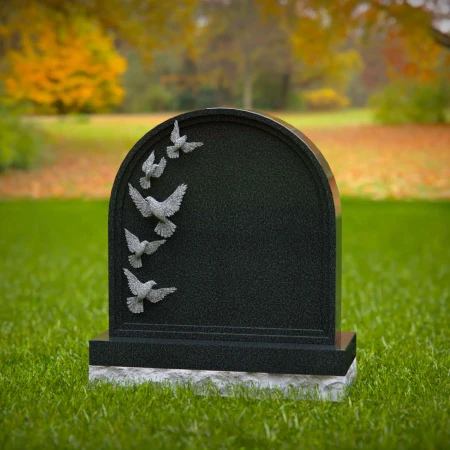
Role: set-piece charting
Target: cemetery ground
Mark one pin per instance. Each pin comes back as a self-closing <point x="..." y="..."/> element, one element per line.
<point x="53" y="281"/>
<point x="368" y="160"/>
<point x="396" y="253"/>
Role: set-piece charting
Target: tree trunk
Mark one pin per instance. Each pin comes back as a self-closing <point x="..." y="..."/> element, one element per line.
<point x="440" y="37"/>
<point x="247" y="98"/>
<point x="248" y="82"/>
<point x="284" y="91"/>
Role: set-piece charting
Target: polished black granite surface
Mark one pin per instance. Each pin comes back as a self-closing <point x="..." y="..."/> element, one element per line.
<point x="255" y="257"/>
<point x="196" y="354"/>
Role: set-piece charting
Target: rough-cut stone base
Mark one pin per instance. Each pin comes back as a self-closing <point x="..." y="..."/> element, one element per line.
<point x="325" y="387"/>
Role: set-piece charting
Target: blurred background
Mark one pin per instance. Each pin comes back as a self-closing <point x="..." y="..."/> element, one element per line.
<point x="82" y="80"/>
<point x="368" y="81"/>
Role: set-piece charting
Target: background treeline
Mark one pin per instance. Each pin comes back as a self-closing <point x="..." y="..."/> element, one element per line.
<point x="134" y="56"/>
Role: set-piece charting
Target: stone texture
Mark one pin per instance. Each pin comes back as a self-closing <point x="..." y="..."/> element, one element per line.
<point x="256" y="253"/>
<point x="256" y="256"/>
<point x="325" y="387"/>
<point x="195" y="354"/>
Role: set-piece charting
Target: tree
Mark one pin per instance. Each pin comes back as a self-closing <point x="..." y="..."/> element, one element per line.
<point x="143" y="24"/>
<point x="232" y="45"/>
<point x="423" y="18"/>
<point x="298" y="43"/>
<point x="414" y="46"/>
<point x="65" y="69"/>
<point x="417" y="64"/>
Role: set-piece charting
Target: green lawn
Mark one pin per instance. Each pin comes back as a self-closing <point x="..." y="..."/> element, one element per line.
<point x="53" y="285"/>
<point x="122" y="131"/>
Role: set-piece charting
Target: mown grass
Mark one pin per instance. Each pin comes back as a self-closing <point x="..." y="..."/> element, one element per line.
<point x="114" y="132"/>
<point x="53" y="288"/>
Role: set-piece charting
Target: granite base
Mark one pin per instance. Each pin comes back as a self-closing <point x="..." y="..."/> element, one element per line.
<point x="316" y="387"/>
<point x="221" y="355"/>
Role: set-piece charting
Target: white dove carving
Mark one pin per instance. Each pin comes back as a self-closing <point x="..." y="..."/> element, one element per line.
<point x="161" y="210"/>
<point x="139" y="248"/>
<point x="142" y="291"/>
<point x="180" y="143"/>
<point x="152" y="170"/>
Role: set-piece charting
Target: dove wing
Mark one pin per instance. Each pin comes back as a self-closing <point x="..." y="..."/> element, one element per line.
<point x="133" y="282"/>
<point x="140" y="202"/>
<point x="146" y="167"/>
<point x="151" y="247"/>
<point x="175" y="135"/>
<point x="159" y="169"/>
<point x="172" y="204"/>
<point x="132" y="241"/>
<point x="189" y="146"/>
<point x="156" y="295"/>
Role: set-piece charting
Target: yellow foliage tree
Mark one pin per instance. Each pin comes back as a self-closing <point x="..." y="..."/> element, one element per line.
<point x="65" y="69"/>
<point x="325" y="99"/>
<point x="145" y="25"/>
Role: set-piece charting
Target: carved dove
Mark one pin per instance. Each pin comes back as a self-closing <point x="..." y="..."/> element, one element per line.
<point x="180" y="143"/>
<point x="142" y="291"/>
<point x="138" y="248"/>
<point x="161" y="210"/>
<point x="152" y="170"/>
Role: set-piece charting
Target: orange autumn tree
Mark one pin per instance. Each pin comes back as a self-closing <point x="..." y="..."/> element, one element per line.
<point x="418" y="64"/>
<point x="64" y="68"/>
<point x="80" y="34"/>
<point x="415" y="57"/>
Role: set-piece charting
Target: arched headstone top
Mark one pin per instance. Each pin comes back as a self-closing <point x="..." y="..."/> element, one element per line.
<point x="276" y="126"/>
<point x="254" y="249"/>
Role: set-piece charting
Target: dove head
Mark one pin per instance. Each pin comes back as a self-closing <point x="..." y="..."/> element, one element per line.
<point x="151" y="201"/>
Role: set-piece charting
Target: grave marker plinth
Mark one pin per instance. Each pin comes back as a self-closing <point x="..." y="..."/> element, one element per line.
<point x="233" y="265"/>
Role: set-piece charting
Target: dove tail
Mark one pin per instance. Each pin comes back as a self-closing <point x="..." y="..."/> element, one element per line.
<point x="135" y="261"/>
<point x="165" y="229"/>
<point x="172" y="153"/>
<point x="134" y="306"/>
<point x="145" y="183"/>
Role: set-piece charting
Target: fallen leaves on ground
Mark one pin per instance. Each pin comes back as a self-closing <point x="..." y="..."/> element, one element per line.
<point x="411" y="161"/>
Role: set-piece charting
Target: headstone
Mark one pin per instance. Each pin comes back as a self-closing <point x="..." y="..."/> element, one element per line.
<point x="225" y="259"/>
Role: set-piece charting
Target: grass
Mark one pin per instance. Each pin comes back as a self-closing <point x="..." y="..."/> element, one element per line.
<point x="368" y="160"/>
<point x="122" y="131"/>
<point x="53" y="284"/>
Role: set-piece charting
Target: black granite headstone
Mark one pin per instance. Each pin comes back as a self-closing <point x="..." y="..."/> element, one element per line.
<point x="255" y="256"/>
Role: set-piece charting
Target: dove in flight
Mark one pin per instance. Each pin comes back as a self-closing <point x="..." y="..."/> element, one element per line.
<point x="180" y="143"/>
<point x="161" y="210"/>
<point x="142" y="291"/>
<point x="152" y="170"/>
<point x="139" y="248"/>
